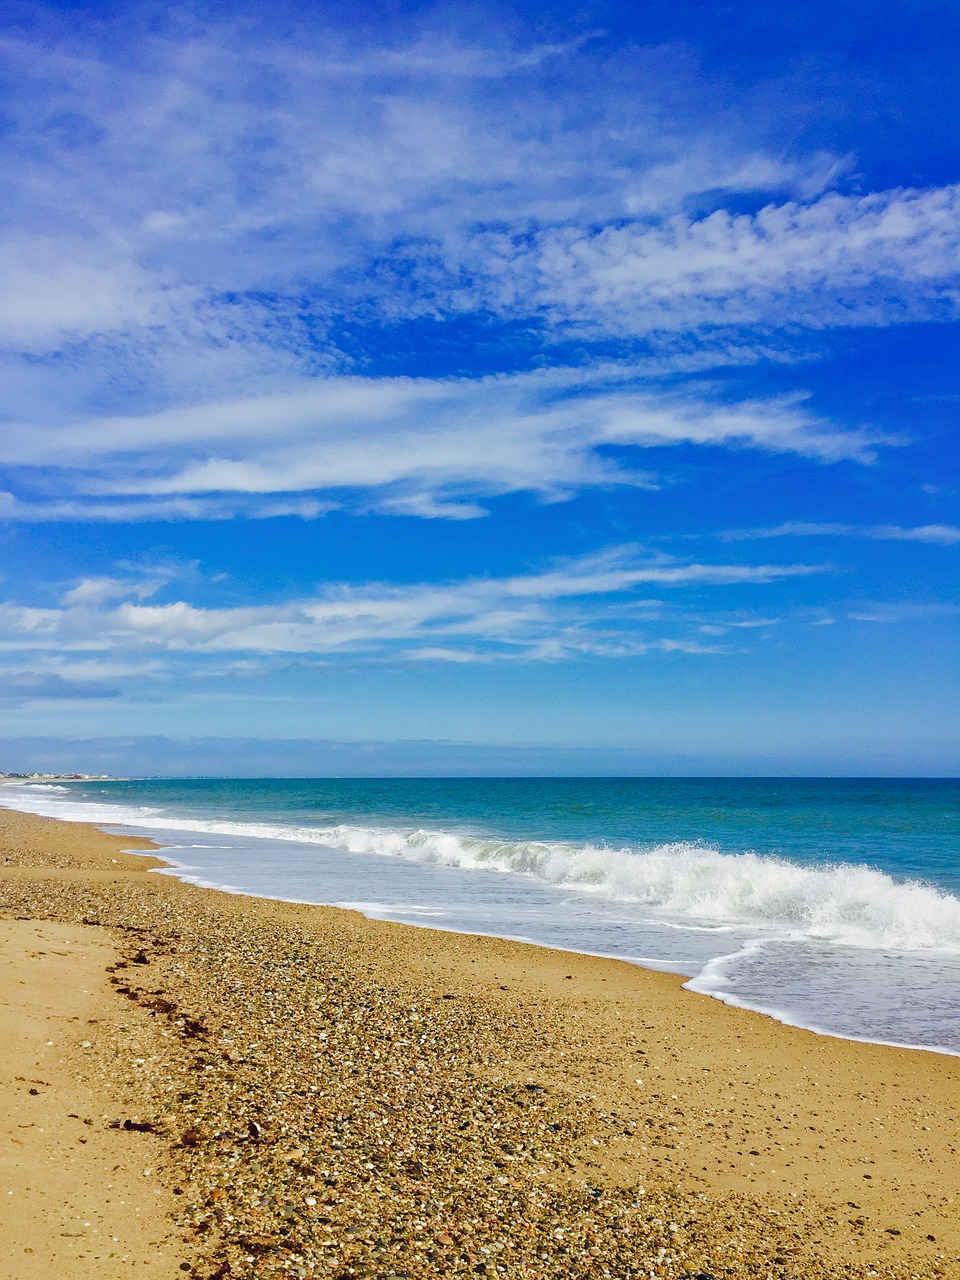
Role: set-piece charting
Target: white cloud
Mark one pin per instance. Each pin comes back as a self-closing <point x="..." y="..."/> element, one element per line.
<point x="220" y="135"/>
<point x="846" y="260"/>
<point x="96" y="591"/>
<point x="665" y="187"/>
<point x="434" y="174"/>
<point x="415" y="445"/>
<point x="261" y="189"/>
<point x="907" y="611"/>
<point x="56" y="290"/>
<point x="22" y="625"/>
<point x="737" y="624"/>
<point x="944" y="535"/>
<point x="137" y="510"/>
<point x="576" y="607"/>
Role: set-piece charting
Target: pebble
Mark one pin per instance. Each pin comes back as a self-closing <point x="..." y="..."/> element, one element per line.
<point x="318" y="1116"/>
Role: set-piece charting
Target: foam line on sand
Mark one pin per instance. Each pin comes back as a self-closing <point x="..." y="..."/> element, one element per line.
<point x="320" y="1094"/>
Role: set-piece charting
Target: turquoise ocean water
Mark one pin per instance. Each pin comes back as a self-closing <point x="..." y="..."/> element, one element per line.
<point x="829" y="903"/>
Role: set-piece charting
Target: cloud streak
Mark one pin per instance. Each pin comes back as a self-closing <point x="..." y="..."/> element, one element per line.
<point x="943" y="535"/>
<point x="575" y="608"/>
<point x="427" y="447"/>
<point x="263" y="190"/>
<point x="21" y="690"/>
<point x="224" y="134"/>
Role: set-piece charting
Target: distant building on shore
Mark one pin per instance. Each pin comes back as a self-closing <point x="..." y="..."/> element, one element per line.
<point x="55" y="777"/>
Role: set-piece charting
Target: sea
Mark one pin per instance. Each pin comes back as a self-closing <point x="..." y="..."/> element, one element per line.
<point x="831" y="904"/>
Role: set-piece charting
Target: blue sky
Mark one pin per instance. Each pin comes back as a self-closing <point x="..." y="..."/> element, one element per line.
<point x="489" y="387"/>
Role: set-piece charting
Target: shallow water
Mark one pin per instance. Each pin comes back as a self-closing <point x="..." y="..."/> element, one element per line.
<point x="832" y="904"/>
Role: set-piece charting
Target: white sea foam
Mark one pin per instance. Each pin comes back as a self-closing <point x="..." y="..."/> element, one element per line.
<point x="688" y="883"/>
<point x="853" y="905"/>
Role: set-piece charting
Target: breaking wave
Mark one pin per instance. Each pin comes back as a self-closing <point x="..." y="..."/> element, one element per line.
<point x="842" y="903"/>
<point x="837" y="903"/>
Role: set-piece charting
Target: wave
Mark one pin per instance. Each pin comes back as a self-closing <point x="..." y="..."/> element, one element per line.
<point x="841" y="903"/>
<point x="715" y="980"/>
<point x="685" y="881"/>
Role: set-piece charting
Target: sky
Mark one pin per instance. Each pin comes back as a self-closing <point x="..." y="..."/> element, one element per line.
<point x="480" y="388"/>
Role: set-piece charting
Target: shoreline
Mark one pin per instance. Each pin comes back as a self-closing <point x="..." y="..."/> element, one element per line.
<point x="901" y="1033"/>
<point x="731" y="1001"/>
<point x="770" y="1149"/>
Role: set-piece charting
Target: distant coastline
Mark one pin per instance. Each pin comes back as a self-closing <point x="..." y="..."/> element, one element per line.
<point x="59" y="777"/>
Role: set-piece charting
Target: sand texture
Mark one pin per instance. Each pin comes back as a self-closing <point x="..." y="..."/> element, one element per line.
<point x="247" y="1088"/>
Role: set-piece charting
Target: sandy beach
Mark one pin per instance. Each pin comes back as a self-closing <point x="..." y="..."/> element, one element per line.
<point x="214" y="1085"/>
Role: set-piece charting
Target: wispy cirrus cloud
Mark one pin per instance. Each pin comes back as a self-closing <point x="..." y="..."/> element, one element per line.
<point x="238" y="145"/>
<point x="573" y="608"/>
<point x="887" y="612"/>
<point x="944" y="535"/>
<point x="427" y="447"/>
<point x="177" y="342"/>
<point x="46" y="510"/>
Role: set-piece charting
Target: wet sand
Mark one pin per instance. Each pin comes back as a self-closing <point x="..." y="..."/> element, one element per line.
<point x="238" y="1087"/>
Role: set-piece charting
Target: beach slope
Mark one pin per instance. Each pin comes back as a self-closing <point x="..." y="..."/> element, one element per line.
<point x="240" y="1087"/>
